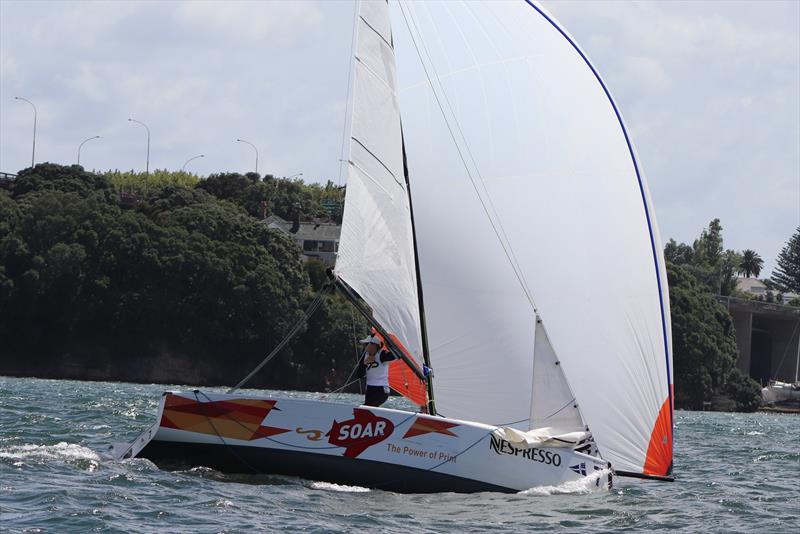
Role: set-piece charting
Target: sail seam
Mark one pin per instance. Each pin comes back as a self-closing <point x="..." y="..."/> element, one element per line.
<point x="376" y="75"/>
<point x="376" y="32"/>
<point x="363" y="171"/>
<point x="371" y="153"/>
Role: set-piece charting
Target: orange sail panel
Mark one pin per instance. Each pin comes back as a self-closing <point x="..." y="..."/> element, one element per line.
<point x="403" y="380"/>
<point x="659" y="451"/>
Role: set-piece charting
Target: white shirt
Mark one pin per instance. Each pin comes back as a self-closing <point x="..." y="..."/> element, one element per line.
<point x="378" y="371"/>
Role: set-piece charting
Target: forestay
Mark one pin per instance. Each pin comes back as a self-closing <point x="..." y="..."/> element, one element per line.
<point x="530" y="187"/>
<point x="376" y="250"/>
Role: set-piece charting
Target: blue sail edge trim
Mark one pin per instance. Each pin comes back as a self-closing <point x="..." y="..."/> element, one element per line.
<point x="641" y="190"/>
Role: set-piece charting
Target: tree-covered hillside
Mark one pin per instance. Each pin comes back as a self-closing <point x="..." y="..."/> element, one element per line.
<point x="185" y="286"/>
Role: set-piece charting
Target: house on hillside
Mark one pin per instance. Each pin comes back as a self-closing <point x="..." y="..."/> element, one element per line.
<point x="759" y="290"/>
<point x="316" y="239"/>
<point x="752" y="286"/>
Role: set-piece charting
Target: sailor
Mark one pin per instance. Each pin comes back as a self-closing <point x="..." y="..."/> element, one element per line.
<point x="375" y="365"/>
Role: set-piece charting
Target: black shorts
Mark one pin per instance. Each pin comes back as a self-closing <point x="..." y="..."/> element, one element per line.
<point x="376" y="395"/>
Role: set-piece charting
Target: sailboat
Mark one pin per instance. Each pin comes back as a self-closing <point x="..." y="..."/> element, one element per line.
<point x="786" y="395"/>
<point x="499" y="234"/>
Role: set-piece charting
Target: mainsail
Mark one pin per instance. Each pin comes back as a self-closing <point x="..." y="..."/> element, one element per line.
<point x="376" y="249"/>
<point x="528" y="198"/>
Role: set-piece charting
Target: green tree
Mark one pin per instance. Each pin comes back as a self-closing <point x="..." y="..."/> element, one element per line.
<point x="708" y="261"/>
<point x="183" y="274"/>
<point x="139" y="182"/>
<point x="708" y="247"/>
<point x="703" y="340"/>
<point x="751" y="263"/>
<point x="743" y="390"/>
<point x="726" y="271"/>
<point x="786" y="276"/>
<point x="678" y="253"/>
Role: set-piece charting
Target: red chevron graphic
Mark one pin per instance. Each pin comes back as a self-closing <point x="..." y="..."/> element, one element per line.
<point x="425" y="425"/>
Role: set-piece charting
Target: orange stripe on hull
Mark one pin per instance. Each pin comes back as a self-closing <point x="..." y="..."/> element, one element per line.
<point x="659" y="451"/>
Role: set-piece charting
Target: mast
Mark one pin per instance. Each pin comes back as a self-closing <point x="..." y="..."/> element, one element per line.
<point x="426" y="355"/>
<point x="796" y="365"/>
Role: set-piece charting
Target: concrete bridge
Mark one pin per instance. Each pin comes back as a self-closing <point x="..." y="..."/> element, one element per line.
<point x="768" y="337"/>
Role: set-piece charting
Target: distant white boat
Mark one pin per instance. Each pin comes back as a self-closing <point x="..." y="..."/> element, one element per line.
<point x="778" y="392"/>
<point x="529" y="274"/>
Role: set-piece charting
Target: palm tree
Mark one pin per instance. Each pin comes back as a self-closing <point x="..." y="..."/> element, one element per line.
<point x="751" y="263"/>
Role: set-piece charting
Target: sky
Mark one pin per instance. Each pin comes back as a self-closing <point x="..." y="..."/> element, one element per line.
<point x="710" y="91"/>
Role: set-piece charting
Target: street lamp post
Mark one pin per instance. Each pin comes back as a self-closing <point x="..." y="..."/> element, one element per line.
<point x="83" y="143"/>
<point x="33" y="151"/>
<point x="147" y="164"/>
<point x="254" y="148"/>
<point x="293" y="176"/>
<point x="190" y="159"/>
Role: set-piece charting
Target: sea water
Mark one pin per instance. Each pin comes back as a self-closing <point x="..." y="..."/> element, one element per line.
<point x="735" y="473"/>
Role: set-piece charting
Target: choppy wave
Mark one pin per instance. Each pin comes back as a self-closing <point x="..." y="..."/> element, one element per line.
<point x="582" y="486"/>
<point x="59" y="451"/>
<point x="53" y="477"/>
<point x="330" y="486"/>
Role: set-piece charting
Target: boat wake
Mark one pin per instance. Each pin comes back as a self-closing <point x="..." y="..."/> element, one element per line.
<point x="73" y="453"/>
<point x="583" y="486"/>
<point x="329" y="486"/>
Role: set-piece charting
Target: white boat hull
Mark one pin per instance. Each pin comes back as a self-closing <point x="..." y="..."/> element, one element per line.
<point x="781" y="392"/>
<point x="365" y="446"/>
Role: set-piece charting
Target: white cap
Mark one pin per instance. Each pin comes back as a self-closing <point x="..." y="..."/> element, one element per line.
<point x="370" y="339"/>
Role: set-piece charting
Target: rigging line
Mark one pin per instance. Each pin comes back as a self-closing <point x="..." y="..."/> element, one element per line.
<point x="437" y="466"/>
<point x="571" y="401"/>
<point x="340" y="391"/>
<point x="315" y="304"/>
<point x="516" y="126"/>
<point x="505" y="247"/>
<point x="356" y="346"/>
<point x="347" y="383"/>
<point x="513" y="260"/>
<point x="349" y="88"/>
<point x="514" y="422"/>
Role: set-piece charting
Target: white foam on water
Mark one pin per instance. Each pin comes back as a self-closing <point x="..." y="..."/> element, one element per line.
<point x="59" y="451"/>
<point x="582" y="486"/>
<point x="330" y="486"/>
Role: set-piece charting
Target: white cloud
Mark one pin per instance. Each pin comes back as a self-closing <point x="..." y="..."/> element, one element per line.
<point x="647" y="71"/>
<point x="256" y="23"/>
<point x="710" y="90"/>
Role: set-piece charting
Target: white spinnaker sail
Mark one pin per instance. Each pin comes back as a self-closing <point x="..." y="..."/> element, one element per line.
<point x="376" y="249"/>
<point x="553" y="166"/>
